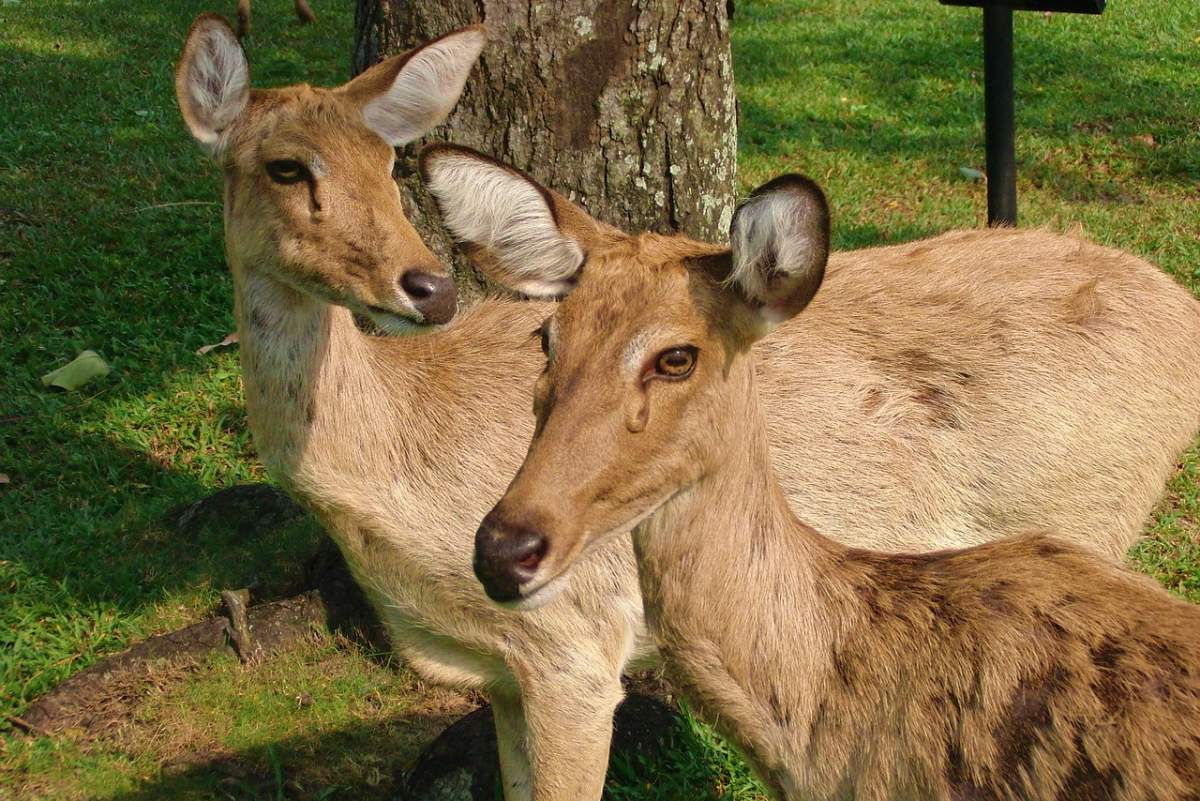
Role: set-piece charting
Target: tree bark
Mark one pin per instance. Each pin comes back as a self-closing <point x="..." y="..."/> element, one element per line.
<point x="625" y="106"/>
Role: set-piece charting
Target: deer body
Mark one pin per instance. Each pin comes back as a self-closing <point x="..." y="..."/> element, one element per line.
<point x="400" y="445"/>
<point x="1023" y="668"/>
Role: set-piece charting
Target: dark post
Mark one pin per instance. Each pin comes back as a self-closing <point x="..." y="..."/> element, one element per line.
<point x="998" y="93"/>
<point x="998" y="115"/>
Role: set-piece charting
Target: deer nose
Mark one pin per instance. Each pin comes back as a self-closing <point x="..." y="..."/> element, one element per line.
<point x="434" y="296"/>
<point x="506" y="557"/>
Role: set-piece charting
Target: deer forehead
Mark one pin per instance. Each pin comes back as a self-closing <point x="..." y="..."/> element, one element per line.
<point x="314" y="126"/>
<point x="625" y="311"/>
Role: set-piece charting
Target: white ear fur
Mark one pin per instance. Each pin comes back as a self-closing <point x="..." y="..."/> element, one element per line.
<point x="780" y="244"/>
<point x="212" y="81"/>
<point x="426" y="88"/>
<point x="486" y="205"/>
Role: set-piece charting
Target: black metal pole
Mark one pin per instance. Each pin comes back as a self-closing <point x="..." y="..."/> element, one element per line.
<point x="998" y="115"/>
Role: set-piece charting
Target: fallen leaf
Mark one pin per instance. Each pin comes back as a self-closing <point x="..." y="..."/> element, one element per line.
<point x="230" y="339"/>
<point x="80" y="370"/>
<point x="1146" y="139"/>
<point x="971" y="174"/>
<point x="1092" y="126"/>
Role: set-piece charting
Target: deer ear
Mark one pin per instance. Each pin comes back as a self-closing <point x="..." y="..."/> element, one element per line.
<point x="408" y="95"/>
<point x="212" y="80"/>
<point x="779" y="242"/>
<point x="523" y="236"/>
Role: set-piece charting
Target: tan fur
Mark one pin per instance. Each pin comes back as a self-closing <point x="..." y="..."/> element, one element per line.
<point x="1026" y="668"/>
<point x="401" y="444"/>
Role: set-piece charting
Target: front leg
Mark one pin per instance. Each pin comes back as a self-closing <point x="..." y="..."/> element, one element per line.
<point x="511" y="737"/>
<point x="568" y="722"/>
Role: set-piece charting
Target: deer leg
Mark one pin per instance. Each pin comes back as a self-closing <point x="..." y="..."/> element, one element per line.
<point x="510" y="740"/>
<point x="568" y="722"/>
<point x="243" y="18"/>
<point x="304" y="13"/>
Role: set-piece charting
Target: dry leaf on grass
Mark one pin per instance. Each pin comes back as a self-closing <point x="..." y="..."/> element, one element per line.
<point x="230" y="339"/>
<point x="971" y="174"/>
<point x="80" y="370"/>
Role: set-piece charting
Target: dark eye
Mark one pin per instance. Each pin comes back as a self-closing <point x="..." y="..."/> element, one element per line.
<point x="287" y="171"/>
<point x="676" y="363"/>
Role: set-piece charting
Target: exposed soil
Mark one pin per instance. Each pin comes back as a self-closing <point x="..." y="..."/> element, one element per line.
<point x="104" y="696"/>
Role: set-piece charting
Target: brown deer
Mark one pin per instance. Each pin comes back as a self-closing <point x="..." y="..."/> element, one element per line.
<point x="401" y="444"/>
<point x="303" y="13"/>
<point x="1025" y="668"/>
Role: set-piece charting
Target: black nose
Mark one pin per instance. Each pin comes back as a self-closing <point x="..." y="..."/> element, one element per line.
<point x="434" y="296"/>
<point x="506" y="557"/>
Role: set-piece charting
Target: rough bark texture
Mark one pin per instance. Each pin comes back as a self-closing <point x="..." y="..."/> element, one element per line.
<point x="625" y="106"/>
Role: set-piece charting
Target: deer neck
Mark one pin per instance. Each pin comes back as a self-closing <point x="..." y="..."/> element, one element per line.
<point x="306" y="369"/>
<point x="732" y="539"/>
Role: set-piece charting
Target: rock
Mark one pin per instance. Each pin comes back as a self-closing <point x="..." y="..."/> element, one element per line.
<point x="462" y="765"/>
<point x="248" y="509"/>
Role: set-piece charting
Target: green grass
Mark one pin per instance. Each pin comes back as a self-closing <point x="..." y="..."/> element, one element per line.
<point x="110" y="239"/>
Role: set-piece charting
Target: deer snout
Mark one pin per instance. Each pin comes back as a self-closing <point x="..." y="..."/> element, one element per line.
<point x="433" y="296"/>
<point x="506" y="557"/>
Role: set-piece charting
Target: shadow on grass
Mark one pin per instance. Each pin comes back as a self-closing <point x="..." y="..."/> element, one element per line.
<point x="363" y="761"/>
<point x="658" y="753"/>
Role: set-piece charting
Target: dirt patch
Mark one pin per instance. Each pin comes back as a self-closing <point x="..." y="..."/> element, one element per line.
<point x="105" y="695"/>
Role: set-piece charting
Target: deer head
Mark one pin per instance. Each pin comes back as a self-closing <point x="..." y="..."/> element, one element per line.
<point x="645" y="357"/>
<point x="309" y="198"/>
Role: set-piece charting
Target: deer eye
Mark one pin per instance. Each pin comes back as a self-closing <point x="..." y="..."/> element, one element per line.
<point x="287" y="171"/>
<point x="676" y="363"/>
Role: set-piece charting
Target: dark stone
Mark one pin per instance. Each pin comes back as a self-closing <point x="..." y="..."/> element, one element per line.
<point x="246" y="508"/>
<point x="348" y="612"/>
<point x="462" y="764"/>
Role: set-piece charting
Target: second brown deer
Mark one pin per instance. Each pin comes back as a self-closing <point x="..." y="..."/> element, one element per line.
<point x="1026" y="668"/>
<point x="303" y="13"/>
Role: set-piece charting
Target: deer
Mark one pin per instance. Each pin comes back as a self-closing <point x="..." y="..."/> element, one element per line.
<point x="1027" y="667"/>
<point x="303" y="13"/>
<point x="400" y="443"/>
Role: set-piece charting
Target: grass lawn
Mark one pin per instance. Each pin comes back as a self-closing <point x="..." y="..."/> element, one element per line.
<point x="110" y="239"/>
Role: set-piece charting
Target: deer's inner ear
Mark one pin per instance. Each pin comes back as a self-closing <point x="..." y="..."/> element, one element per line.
<point x="212" y="80"/>
<point x="507" y="220"/>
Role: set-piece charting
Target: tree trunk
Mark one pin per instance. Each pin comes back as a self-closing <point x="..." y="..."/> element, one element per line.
<point x="625" y="106"/>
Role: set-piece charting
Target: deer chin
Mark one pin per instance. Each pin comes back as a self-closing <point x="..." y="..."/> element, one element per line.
<point x="398" y="320"/>
<point x="396" y="323"/>
<point x="540" y="595"/>
<point x="542" y="589"/>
